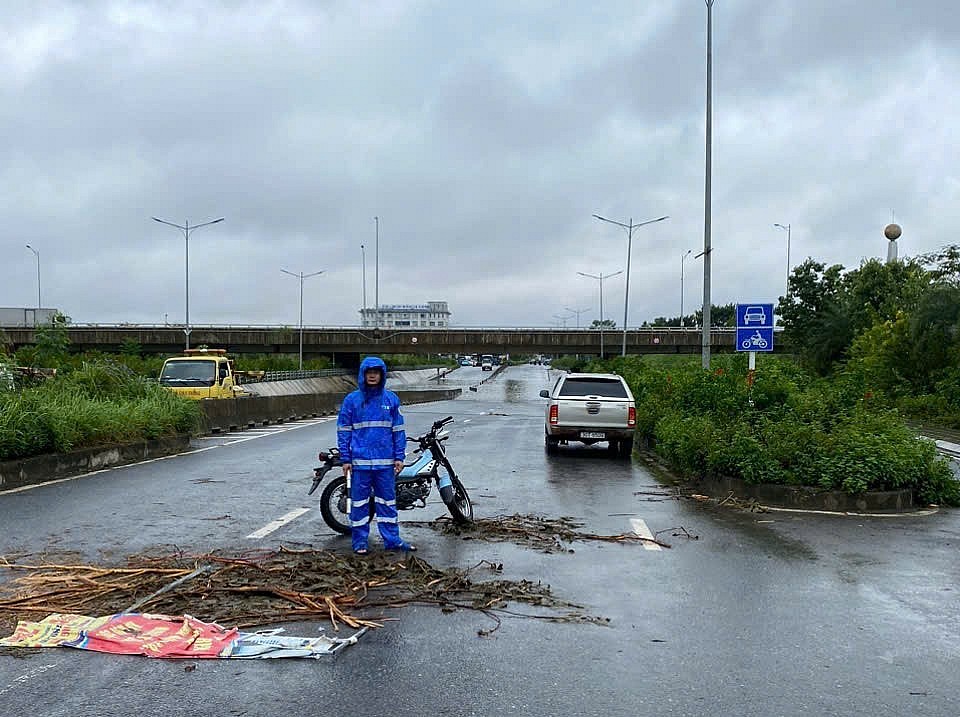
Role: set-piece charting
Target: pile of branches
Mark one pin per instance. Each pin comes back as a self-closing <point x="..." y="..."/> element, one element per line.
<point x="271" y="587"/>
<point x="536" y="531"/>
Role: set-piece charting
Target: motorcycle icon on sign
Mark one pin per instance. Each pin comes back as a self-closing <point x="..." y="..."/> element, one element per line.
<point x="755" y="341"/>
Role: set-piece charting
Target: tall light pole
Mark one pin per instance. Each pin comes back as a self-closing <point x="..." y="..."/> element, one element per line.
<point x="376" y="275"/>
<point x="600" y="278"/>
<point x="577" y="312"/>
<point x="363" y="264"/>
<point x="708" y="168"/>
<point x="685" y="255"/>
<point x="564" y="319"/>
<point x="787" y="228"/>
<point x="626" y="293"/>
<point x="39" y="304"/>
<point x="186" y="229"/>
<point x="301" y="276"/>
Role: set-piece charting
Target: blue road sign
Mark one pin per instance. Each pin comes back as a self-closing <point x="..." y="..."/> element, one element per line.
<point x="754" y="316"/>
<point x="754" y="327"/>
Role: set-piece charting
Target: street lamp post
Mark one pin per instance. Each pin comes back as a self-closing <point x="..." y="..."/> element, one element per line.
<point x="577" y="312"/>
<point x="39" y="302"/>
<point x="600" y="278"/>
<point x="626" y="293"/>
<point x="363" y="264"/>
<point x="708" y="168"/>
<point x="685" y="255"/>
<point x="564" y="319"/>
<point x="376" y="275"/>
<point x="787" y="229"/>
<point x="301" y="276"/>
<point x="186" y="229"/>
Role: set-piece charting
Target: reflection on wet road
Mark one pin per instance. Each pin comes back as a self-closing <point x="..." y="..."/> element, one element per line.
<point x="748" y="614"/>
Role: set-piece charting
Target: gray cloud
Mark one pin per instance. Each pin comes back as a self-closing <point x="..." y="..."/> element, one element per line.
<point x="483" y="136"/>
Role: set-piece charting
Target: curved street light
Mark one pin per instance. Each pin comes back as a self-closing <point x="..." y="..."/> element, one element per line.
<point x="626" y="294"/>
<point x="363" y="264"/>
<point x="301" y="276"/>
<point x="577" y="312"/>
<point x="787" y="229"/>
<point x="600" y="278"/>
<point x="39" y="303"/>
<point x="685" y="255"/>
<point x="186" y="229"/>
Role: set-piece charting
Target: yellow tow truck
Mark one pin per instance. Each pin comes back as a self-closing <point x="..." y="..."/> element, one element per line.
<point x="203" y="373"/>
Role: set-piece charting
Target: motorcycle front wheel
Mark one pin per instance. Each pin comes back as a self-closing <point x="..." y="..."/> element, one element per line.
<point x="460" y="507"/>
<point x="333" y="506"/>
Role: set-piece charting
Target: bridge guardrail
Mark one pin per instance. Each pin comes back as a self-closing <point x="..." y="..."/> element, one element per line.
<point x="398" y="329"/>
<point x="294" y="375"/>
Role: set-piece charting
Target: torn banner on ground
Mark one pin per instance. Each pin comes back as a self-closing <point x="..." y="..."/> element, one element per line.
<point x="183" y="637"/>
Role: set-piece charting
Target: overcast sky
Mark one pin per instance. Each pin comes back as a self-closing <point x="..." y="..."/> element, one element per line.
<point x="484" y="135"/>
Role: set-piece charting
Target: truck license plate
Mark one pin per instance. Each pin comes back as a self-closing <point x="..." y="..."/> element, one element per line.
<point x="593" y="434"/>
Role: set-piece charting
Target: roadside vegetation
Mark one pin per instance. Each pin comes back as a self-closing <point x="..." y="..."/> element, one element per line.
<point x="99" y="404"/>
<point x="97" y="399"/>
<point x="873" y="349"/>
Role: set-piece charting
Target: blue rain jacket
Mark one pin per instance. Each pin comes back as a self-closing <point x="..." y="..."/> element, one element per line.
<point x="370" y="432"/>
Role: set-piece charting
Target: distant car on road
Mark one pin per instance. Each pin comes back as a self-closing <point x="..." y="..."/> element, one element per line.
<point x="486" y="363"/>
<point x="466" y="362"/>
<point x="590" y="407"/>
<point x="754" y="314"/>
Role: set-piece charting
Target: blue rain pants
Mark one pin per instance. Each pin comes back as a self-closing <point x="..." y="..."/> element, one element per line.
<point x="379" y="486"/>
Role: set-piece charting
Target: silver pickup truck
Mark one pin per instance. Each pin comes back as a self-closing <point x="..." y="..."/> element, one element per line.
<point x="590" y="407"/>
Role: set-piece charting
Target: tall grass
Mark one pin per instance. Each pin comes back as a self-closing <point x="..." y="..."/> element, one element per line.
<point x="99" y="404"/>
<point x="786" y="427"/>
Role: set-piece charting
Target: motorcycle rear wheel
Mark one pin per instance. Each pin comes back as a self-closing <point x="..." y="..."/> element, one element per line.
<point x="333" y="506"/>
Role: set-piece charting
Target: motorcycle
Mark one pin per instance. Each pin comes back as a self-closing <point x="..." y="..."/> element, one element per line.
<point x="429" y="465"/>
<point x="755" y="341"/>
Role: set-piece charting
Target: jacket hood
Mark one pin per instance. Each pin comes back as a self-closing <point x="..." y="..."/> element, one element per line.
<point x="372" y="362"/>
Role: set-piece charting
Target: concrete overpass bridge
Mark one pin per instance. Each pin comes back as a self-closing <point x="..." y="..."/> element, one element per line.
<point x="339" y="342"/>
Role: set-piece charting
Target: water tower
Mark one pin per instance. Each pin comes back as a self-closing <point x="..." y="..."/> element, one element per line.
<point x="892" y="232"/>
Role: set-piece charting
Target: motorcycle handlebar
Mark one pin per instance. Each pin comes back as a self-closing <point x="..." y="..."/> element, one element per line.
<point x="437" y="425"/>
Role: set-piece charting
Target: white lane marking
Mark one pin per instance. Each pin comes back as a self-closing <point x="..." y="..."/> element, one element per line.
<point x="26" y="677"/>
<point x="278" y="523"/>
<point x="21" y="489"/>
<point x="467" y="420"/>
<point x="273" y="431"/>
<point x="641" y="529"/>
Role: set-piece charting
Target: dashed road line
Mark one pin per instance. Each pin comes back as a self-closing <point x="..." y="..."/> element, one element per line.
<point x="278" y="523"/>
<point x="641" y="529"/>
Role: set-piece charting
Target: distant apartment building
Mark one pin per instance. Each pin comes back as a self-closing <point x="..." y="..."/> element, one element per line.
<point x="433" y="314"/>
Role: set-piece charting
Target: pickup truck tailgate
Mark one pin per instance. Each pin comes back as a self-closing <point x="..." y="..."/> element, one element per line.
<point x="590" y="411"/>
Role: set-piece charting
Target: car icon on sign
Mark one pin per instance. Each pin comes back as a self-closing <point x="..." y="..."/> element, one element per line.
<point x="754" y="314"/>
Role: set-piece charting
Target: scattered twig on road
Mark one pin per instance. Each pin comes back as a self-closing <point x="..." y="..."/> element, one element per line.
<point x="263" y="587"/>
<point x="547" y="534"/>
<point x="683" y="533"/>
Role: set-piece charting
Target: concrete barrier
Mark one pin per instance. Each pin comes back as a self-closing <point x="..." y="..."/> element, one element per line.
<point x="41" y="469"/>
<point x="338" y="384"/>
<point x="807" y="497"/>
<point x="233" y="414"/>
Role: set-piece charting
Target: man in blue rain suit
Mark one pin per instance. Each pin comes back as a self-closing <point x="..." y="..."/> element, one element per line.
<point x="372" y="444"/>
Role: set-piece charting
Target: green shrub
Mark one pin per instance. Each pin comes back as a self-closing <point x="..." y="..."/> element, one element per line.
<point x="788" y="427"/>
<point x="99" y="404"/>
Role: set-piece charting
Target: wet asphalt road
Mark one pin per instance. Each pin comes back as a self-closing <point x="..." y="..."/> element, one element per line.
<point x="762" y="614"/>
